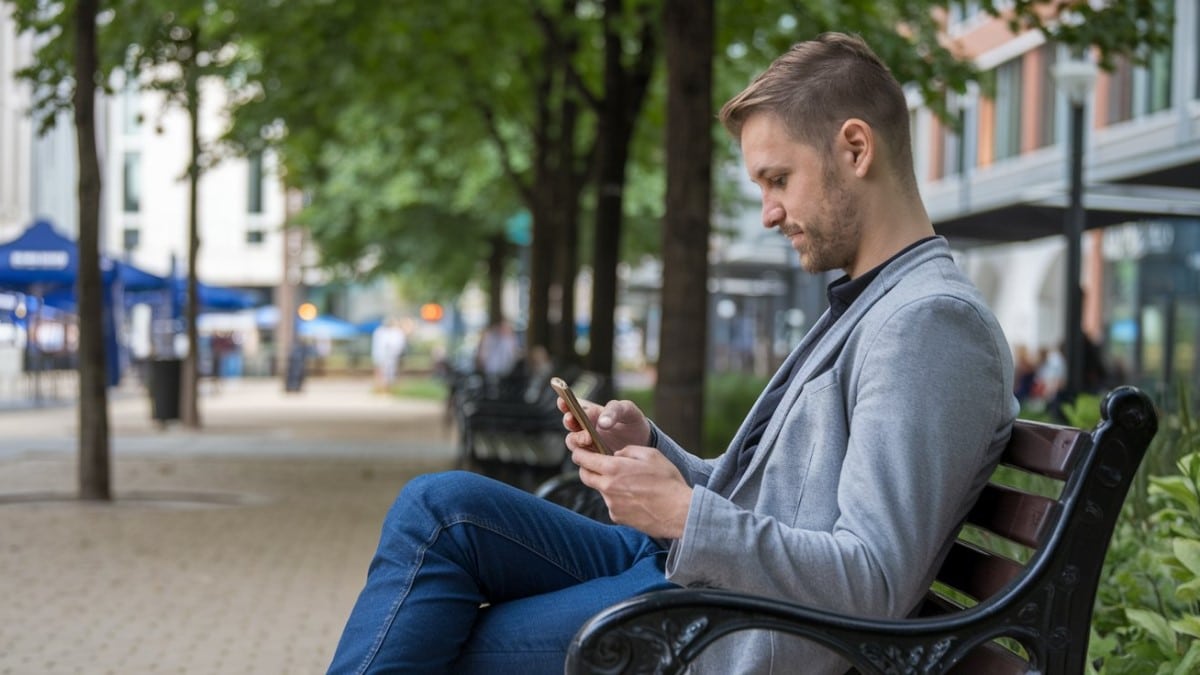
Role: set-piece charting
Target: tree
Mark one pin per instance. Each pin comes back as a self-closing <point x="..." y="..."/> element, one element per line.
<point x="626" y="84"/>
<point x="679" y="396"/>
<point x="65" y="76"/>
<point x="94" y="461"/>
<point x="170" y="49"/>
<point x="534" y="110"/>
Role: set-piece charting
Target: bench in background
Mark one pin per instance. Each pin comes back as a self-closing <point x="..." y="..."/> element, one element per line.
<point x="512" y="429"/>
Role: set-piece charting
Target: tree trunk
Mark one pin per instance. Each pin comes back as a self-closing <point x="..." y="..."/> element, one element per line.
<point x="542" y="245"/>
<point x="541" y="256"/>
<point x="624" y="94"/>
<point x="567" y="190"/>
<point x="679" y="396"/>
<point x="94" y="464"/>
<point x="495" y="273"/>
<point x="189" y="398"/>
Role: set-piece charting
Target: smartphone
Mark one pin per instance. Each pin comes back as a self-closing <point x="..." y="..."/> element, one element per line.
<point x="560" y="387"/>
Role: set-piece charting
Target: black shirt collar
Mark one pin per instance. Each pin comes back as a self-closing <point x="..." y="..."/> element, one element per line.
<point x="843" y="292"/>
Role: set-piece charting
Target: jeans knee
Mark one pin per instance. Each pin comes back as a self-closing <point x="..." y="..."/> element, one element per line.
<point x="435" y="492"/>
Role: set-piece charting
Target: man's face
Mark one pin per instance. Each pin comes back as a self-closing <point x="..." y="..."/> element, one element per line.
<point x="802" y="195"/>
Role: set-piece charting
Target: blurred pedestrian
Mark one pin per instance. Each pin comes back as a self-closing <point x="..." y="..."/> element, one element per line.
<point x="498" y="350"/>
<point x="387" y="346"/>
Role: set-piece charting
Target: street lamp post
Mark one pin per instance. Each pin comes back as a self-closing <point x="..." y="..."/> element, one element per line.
<point x="1076" y="77"/>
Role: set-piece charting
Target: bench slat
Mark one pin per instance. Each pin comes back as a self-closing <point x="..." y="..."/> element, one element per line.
<point x="1013" y="514"/>
<point x="976" y="572"/>
<point x="1044" y="449"/>
<point x="937" y="605"/>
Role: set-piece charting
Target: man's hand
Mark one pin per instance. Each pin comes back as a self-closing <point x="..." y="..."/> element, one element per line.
<point x="641" y="487"/>
<point x="620" y="423"/>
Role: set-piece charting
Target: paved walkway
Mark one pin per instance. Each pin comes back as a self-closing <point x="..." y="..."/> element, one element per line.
<point x="235" y="549"/>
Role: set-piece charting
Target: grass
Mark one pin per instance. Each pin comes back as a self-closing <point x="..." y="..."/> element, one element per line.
<point x="425" y="387"/>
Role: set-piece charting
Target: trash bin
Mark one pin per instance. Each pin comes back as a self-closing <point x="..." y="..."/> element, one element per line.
<point x="165" y="375"/>
<point x="294" y="376"/>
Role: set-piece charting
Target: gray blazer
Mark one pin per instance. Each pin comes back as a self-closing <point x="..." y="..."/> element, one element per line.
<point x="886" y="433"/>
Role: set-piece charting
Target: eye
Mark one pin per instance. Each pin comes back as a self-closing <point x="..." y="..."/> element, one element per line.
<point x="779" y="181"/>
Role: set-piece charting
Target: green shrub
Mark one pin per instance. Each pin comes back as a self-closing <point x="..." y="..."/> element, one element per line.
<point x="1147" y="613"/>
<point x="728" y="398"/>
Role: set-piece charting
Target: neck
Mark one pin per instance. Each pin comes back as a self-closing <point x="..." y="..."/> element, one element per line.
<point x="889" y="225"/>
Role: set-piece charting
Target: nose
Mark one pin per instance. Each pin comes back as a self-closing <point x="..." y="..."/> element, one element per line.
<point x="772" y="214"/>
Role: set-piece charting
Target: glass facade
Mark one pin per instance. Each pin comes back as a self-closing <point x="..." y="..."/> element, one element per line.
<point x="131" y="178"/>
<point x="254" y="191"/>
<point x="1007" y="138"/>
<point x="1048" y="95"/>
<point x="1152" y="302"/>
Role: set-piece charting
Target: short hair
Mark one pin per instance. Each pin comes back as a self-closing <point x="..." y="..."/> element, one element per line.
<point x="817" y="85"/>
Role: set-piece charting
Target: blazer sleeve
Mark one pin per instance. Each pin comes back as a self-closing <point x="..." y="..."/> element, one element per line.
<point x="928" y="408"/>
<point x="695" y="471"/>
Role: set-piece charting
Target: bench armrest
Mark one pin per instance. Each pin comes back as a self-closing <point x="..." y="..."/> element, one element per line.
<point x="664" y="631"/>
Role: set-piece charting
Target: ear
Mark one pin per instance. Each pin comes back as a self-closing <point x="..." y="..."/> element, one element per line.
<point x="855" y="146"/>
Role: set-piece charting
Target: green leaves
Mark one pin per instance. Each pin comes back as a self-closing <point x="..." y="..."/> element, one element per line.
<point x="1155" y="626"/>
<point x="1154" y="575"/>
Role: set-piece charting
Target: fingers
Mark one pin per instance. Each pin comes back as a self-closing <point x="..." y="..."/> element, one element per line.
<point x="580" y="440"/>
<point x="586" y="458"/>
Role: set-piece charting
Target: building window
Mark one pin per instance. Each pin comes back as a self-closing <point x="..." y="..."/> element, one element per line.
<point x="1048" y="93"/>
<point x="949" y="158"/>
<point x="254" y="201"/>
<point x="1157" y="86"/>
<point x="132" y="178"/>
<point x="963" y="12"/>
<point x="132" y="118"/>
<point x="255" y="236"/>
<point x="131" y="237"/>
<point x="1120" y="92"/>
<point x="1007" y="138"/>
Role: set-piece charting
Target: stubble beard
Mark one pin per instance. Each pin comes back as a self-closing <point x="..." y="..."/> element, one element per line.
<point x="831" y="236"/>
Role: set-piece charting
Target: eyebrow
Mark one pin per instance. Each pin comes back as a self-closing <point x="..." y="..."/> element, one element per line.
<point x="762" y="171"/>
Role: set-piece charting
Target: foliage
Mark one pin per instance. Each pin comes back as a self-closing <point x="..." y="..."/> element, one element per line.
<point x="1147" y="614"/>
<point x="1132" y="28"/>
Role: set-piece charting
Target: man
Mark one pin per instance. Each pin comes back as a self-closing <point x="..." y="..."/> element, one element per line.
<point x="387" y="345"/>
<point x="845" y="482"/>
<point x="498" y="350"/>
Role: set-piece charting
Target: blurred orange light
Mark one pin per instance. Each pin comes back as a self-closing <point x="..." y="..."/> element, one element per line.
<point x="431" y="311"/>
<point x="307" y="311"/>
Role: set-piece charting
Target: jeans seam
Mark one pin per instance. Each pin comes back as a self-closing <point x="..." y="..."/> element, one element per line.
<point x="498" y="531"/>
<point x="395" y="608"/>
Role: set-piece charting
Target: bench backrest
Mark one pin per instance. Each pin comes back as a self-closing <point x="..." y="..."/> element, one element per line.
<point x="1031" y="551"/>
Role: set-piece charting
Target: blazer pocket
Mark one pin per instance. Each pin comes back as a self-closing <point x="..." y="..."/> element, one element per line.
<point x="809" y="453"/>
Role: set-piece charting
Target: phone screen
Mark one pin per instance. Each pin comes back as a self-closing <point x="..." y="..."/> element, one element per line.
<point x="561" y="388"/>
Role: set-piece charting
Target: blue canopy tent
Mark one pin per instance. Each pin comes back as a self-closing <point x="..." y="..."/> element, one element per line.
<point x="215" y="297"/>
<point x="40" y="258"/>
<point x="170" y="297"/>
<point x="41" y="261"/>
<point x="327" y="327"/>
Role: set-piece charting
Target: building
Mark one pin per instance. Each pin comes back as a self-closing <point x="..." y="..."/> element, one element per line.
<point x="1005" y="178"/>
<point x="16" y="132"/>
<point x="241" y="209"/>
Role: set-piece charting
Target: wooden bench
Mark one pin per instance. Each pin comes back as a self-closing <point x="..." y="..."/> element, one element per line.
<point x="986" y="613"/>
<point x="514" y="433"/>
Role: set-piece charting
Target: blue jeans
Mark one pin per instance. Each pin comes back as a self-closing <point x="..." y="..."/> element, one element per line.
<point x="475" y="576"/>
